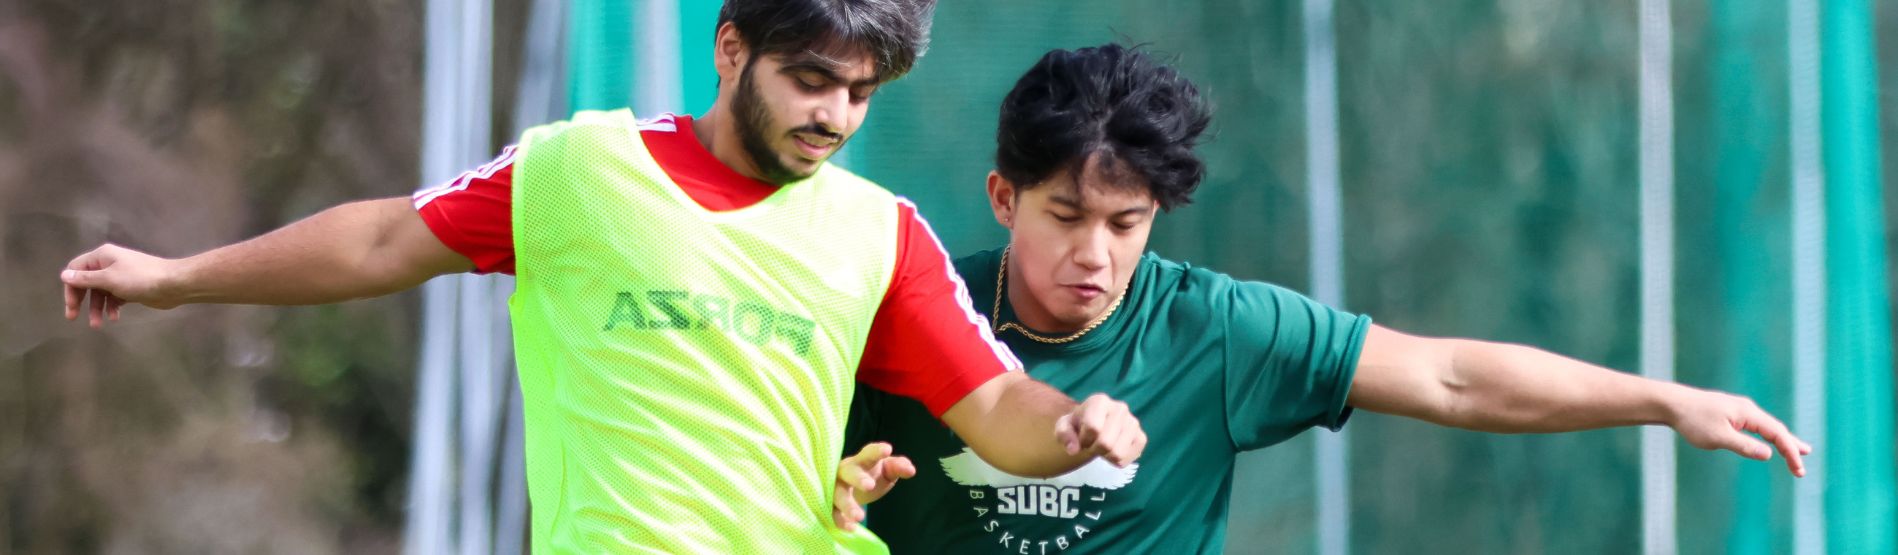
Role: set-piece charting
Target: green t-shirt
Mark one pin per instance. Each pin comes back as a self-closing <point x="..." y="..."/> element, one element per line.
<point x="1211" y="365"/>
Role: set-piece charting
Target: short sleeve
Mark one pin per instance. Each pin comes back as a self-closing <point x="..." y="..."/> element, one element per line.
<point x="473" y="214"/>
<point x="927" y="342"/>
<point x="1289" y="363"/>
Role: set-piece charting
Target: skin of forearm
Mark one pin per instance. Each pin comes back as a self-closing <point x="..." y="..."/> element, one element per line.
<point x="335" y="255"/>
<point x="1017" y="433"/>
<point x="1504" y="388"/>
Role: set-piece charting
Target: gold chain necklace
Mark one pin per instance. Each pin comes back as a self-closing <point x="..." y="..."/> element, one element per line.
<point x="997" y="311"/>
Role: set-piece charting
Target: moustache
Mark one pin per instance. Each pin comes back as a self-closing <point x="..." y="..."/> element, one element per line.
<point x="818" y="131"/>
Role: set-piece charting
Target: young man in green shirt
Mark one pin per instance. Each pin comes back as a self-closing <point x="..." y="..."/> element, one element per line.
<point x="1092" y="143"/>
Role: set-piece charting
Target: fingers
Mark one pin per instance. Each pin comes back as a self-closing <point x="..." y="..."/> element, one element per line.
<point x="80" y="278"/>
<point x="874" y="451"/>
<point x="74" y="296"/>
<point x="886" y="474"/>
<point x="861" y="471"/>
<point x="1130" y="447"/>
<point x="844" y="509"/>
<point x="96" y="311"/>
<point x="1093" y="418"/>
<point x="1772" y="430"/>
<point x="851" y="474"/>
<point x="1125" y="448"/>
<point x="896" y="468"/>
<point x="1745" y="446"/>
<point x="865" y="477"/>
<point x="1066" y="434"/>
<point x="1084" y="423"/>
<point x="843" y="498"/>
<point x="1105" y="427"/>
<point x="1107" y="441"/>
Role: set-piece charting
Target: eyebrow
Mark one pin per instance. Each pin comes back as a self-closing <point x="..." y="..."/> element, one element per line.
<point x="1071" y="202"/>
<point x="823" y="66"/>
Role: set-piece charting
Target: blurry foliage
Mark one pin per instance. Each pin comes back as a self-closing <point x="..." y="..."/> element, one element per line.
<point x="174" y="127"/>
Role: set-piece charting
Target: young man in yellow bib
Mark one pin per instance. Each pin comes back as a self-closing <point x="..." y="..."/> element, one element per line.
<point x="696" y="298"/>
<point x="1092" y="144"/>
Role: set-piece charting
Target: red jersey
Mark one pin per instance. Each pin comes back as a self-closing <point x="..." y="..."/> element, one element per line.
<point x="927" y="341"/>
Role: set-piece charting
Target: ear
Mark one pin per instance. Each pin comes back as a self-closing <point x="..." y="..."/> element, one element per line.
<point x="729" y="53"/>
<point x="1002" y="199"/>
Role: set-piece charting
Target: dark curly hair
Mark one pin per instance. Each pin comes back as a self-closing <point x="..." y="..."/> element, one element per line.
<point x="894" y="32"/>
<point x="1111" y="104"/>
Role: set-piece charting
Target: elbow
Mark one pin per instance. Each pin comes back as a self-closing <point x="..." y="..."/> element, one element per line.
<point x="1465" y="397"/>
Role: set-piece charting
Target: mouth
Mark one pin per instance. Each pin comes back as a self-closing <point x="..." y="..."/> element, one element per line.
<point x="1086" y="291"/>
<point x="813" y="147"/>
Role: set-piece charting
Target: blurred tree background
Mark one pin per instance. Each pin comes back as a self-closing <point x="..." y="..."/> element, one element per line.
<point x="174" y="127"/>
<point x="1489" y="171"/>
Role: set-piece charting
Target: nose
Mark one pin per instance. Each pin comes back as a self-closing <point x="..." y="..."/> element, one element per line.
<point x="833" y="111"/>
<point x="1092" y="253"/>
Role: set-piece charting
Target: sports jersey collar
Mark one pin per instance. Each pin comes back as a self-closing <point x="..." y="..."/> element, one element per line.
<point x="715" y="185"/>
<point x="1130" y="304"/>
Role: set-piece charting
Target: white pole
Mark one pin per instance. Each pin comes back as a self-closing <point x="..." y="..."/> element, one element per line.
<point x="657" y="76"/>
<point x="479" y="417"/>
<point x="1656" y="100"/>
<point x="540" y="97"/>
<point x="1331" y="456"/>
<point x="427" y="528"/>
<point x="444" y="518"/>
<point x="1809" y="274"/>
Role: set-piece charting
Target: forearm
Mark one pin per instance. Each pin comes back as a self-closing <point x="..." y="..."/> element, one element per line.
<point x="1016" y="431"/>
<point x="1496" y="387"/>
<point x="336" y="255"/>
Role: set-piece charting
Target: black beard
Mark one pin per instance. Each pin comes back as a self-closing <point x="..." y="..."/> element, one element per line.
<point x="751" y="123"/>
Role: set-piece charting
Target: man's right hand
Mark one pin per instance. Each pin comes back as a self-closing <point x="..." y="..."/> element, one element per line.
<point x="1103" y="427"/>
<point x="1715" y="420"/>
<point x="111" y="276"/>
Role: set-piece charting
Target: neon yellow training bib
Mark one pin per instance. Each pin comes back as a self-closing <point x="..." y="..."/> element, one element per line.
<point x="687" y="373"/>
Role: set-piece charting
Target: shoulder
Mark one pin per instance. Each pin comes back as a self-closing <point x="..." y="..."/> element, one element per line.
<point x="1178" y="280"/>
<point x="1189" y="292"/>
<point x="585" y="121"/>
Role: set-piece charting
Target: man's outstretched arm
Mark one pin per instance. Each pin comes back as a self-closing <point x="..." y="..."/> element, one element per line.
<point x="356" y="250"/>
<point x="1496" y="387"/>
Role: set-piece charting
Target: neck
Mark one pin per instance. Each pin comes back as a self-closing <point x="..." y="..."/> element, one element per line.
<point x="718" y="133"/>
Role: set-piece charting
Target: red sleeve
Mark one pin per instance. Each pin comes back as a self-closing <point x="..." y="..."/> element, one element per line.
<point x="473" y="213"/>
<point x="928" y="343"/>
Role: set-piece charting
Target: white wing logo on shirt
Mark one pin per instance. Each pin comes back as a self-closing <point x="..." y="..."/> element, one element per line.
<point x="970" y="470"/>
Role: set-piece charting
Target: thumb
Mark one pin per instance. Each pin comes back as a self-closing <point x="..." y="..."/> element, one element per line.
<point x="88" y="279"/>
<point x="1065" y="433"/>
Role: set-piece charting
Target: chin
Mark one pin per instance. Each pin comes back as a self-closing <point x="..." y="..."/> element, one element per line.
<point x="799" y="166"/>
<point x="1078" y="317"/>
